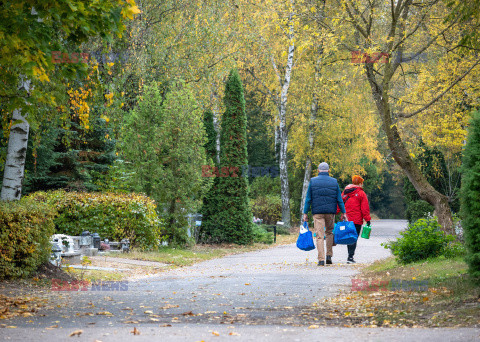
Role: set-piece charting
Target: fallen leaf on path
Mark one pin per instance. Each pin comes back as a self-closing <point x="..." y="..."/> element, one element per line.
<point x="169" y="306"/>
<point x="135" y="331"/>
<point x="215" y="333"/>
<point x="313" y="326"/>
<point x="52" y="327"/>
<point x="76" y="333"/>
<point x="105" y="313"/>
<point x="148" y="312"/>
<point x="188" y="313"/>
<point x="233" y="333"/>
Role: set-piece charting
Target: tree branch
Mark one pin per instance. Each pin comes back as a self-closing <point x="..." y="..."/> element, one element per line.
<point x="409" y="115"/>
<point x="268" y="91"/>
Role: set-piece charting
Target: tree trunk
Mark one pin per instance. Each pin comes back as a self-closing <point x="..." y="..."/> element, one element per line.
<point x="285" y="191"/>
<point x="306" y="180"/>
<point x="308" y="164"/>
<point x="402" y="156"/>
<point x="15" y="162"/>
<point x="311" y="132"/>
<point x="283" y="130"/>
<point x="216" y="124"/>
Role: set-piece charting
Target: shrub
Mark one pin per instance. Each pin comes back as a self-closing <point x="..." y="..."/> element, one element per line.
<point x="417" y="210"/>
<point x="422" y="240"/>
<point x="265" y="185"/>
<point x="261" y="235"/>
<point x="25" y="233"/>
<point x="112" y="215"/>
<point x="281" y="230"/>
<point x="268" y="208"/>
<point x="469" y="197"/>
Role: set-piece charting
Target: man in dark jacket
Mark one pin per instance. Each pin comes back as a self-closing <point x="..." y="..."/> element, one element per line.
<point x="323" y="196"/>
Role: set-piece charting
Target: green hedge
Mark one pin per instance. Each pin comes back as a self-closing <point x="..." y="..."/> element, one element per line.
<point x="112" y="215"/>
<point x="25" y="230"/>
<point x="417" y="210"/>
<point x="268" y="208"/>
<point x="261" y="235"/>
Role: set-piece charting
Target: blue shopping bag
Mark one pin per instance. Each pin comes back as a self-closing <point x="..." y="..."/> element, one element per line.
<point x="345" y="233"/>
<point x="305" y="238"/>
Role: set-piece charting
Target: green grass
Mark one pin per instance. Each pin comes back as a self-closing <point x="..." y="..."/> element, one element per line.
<point x="94" y="275"/>
<point x="437" y="270"/>
<point x="173" y="256"/>
<point x="451" y="299"/>
<point x="198" y="253"/>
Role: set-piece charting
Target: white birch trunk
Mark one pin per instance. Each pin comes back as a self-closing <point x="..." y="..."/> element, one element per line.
<point x="308" y="162"/>
<point x="306" y="180"/>
<point x="311" y="132"/>
<point x="15" y="162"/>
<point x="283" y="131"/>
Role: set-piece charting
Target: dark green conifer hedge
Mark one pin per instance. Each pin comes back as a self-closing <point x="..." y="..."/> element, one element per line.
<point x="226" y="212"/>
<point x="211" y="144"/>
<point x="470" y="197"/>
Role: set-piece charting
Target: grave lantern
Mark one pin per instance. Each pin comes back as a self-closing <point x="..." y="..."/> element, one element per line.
<point x="85" y="239"/>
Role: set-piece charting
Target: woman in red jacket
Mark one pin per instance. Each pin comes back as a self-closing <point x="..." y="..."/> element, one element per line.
<point x="356" y="205"/>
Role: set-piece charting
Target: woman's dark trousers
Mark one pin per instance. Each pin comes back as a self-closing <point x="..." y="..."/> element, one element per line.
<point x="353" y="246"/>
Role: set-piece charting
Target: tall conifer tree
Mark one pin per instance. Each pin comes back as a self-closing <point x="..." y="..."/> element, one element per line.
<point x="210" y="145"/>
<point x="226" y="213"/>
<point x="470" y="195"/>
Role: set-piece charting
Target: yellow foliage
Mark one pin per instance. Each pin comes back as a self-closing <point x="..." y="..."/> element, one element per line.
<point x="79" y="105"/>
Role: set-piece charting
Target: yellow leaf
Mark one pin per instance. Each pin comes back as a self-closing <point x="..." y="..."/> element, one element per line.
<point x="135" y="10"/>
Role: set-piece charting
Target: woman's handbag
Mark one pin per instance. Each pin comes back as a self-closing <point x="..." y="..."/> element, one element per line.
<point x="345" y="233"/>
<point x="305" y="238"/>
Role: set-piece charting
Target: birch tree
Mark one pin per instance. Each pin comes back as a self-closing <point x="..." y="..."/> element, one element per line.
<point x="29" y="32"/>
<point x="278" y="86"/>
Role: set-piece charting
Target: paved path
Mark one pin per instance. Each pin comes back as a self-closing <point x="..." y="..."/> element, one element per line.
<point x="248" y="297"/>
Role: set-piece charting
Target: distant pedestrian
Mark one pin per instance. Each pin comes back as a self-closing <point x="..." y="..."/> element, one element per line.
<point x="358" y="210"/>
<point x="323" y="196"/>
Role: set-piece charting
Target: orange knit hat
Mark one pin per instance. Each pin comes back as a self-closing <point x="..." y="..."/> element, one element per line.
<point x="357" y="180"/>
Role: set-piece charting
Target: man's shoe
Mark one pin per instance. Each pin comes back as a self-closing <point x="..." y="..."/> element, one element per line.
<point x="350" y="260"/>
<point x="329" y="260"/>
<point x="321" y="263"/>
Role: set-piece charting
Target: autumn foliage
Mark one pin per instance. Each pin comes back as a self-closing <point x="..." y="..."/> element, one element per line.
<point x="26" y="227"/>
